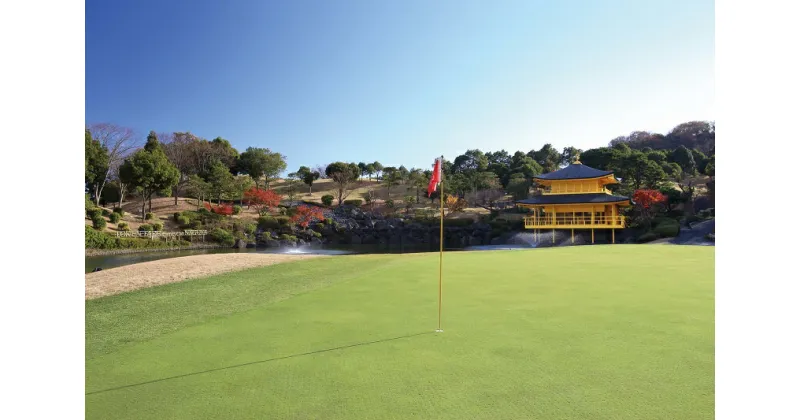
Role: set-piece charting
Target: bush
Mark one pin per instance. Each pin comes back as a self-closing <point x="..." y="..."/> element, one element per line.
<point x="327" y="199"/>
<point x="99" y="240"/>
<point x="284" y="220"/>
<point x="237" y="209"/>
<point x="158" y="226"/>
<point x="114" y="217"/>
<point x="105" y="212"/>
<point x="145" y="228"/>
<point x="196" y="225"/>
<point x="315" y="234"/>
<point x="123" y="227"/>
<point x="88" y="202"/>
<point x="647" y="237"/>
<point x="119" y="211"/>
<point x="149" y="216"/>
<point x="355" y="202"/>
<point x="328" y="221"/>
<point x="267" y="222"/>
<point x="99" y="222"/>
<point x="222" y="236"/>
<point x="183" y="220"/>
<point x="94" y="212"/>
<point x="288" y="237"/>
<point x="389" y="203"/>
<point x="176" y="216"/>
<point x="249" y="228"/>
<point x="668" y="229"/>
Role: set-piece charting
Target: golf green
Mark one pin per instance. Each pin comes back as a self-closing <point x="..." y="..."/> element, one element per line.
<point x="587" y="332"/>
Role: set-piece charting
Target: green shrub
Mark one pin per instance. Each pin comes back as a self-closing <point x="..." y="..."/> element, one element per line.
<point x="196" y="225"/>
<point x="222" y="236"/>
<point x="267" y="222"/>
<point x="123" y="227"/>
<point x="249" y="228"/>
<point x="145" y="228"/>
<point x="94" y="212"/>
<point x="176" y="216"/>
<point x="328" y="221"/>
<point x="290" y="211"/>
<point x="114" y="217"/>
<point x="288" y="237"/>
<point x="355" y="202"/>
<point x="99" y="222"/>
<point x="315" y="234"/>
<point x="158" y="226"/>
<point x="88" y="204"/>
<point x="327" y="199"/>
<point x="284" y="220"/>
<point x="99" y="240"/>
<point x="149" y="216"/>
<point x="183" y="220"/>
<point x="389" y="203"/>
<point x="119" y="211"/>
<point x="667" y="229"/>
<point x="237" y="209"/>
<point x="647" y="237"/>
<point x="106" y="212"/>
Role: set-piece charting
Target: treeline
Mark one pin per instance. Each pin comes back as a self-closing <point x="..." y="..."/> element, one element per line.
<point x="175" y="164"/>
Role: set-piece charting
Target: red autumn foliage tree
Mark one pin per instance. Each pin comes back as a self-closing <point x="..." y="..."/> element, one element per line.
<point x="648" y="202"/>
<point x="262" y="200"/>
<point x="223" y="209"/>
<point x="306" y="214"/>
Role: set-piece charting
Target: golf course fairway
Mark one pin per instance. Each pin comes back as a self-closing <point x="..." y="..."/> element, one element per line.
<point x="584" y="332"/>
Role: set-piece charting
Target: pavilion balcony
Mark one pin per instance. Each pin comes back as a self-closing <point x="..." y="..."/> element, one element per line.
<point x="575" y="222"/>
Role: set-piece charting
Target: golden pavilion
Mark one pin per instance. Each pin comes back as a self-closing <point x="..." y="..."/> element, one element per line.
<point x="575" y="197"/>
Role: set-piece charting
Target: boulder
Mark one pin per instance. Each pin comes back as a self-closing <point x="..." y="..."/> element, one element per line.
<point x="271" y="243"/>
<point x="240" y="243"/>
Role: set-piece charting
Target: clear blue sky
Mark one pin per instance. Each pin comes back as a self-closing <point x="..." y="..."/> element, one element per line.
<point x="399" y="81"/>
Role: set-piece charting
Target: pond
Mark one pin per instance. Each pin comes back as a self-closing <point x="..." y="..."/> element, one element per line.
<point x="111" y="261"/>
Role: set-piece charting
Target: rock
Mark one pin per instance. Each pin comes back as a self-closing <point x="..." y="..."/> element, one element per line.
<point x="271" y="243"/>
<point x="316" y="241"/>
<point x="287" y="243"/>
<point x="251" y="244"/>
<point x="96" y="269"/>
<point x="240" y="243"/>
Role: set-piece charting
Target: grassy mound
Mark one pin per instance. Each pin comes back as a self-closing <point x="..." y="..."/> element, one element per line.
<point x="623" y="332"/>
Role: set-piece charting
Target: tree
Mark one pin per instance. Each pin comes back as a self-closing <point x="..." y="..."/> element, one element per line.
<point x="647" y="202"/>
<point x="199" y="188"/>
<point x="292" y="186"/>
<point x="403" y="171"/>
<point x="408" y="202"/>
<point x="344" y="175"/>
<point x="261" y="163"/>
<point x="709" y="169"/>
<point x="673" y="196"/>
<point x="262" y="200"/>
<point x="96" y="165"/>
<point x="486" y="198"/>
<point x="454" y="205"/>
<point x="693" y="134"/>
<point x="417" y="181"/>
<point x="149" y="171"/>
<point x="304" y="215"/>
<point x="370" y="170"/>
<point x="240" y="184"/>
<point x="119" y="142"/>
<point x="518" y="186"/>
<point x="391" y="178"/>
<point x="363" y="167"/>
<point x="685" y="159"/>
<point x="307" y="176"/>
<point x="569" y="155"/>
<point x="547" y="157"/>
<point x="179" y="148"/>
<point x="378" y="169"/>
<point x="221" y="181"/>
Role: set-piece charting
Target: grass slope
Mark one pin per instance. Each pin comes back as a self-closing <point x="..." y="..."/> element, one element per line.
<point x="623" y="332"/>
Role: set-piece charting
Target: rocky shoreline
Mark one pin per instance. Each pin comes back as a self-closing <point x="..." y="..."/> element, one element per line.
<point x="102" y="252"/>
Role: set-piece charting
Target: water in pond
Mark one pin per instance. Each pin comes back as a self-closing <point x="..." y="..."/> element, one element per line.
<point x="111" y="261"/>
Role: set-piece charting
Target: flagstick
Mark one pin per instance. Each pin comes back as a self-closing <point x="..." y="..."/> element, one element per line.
<point x="441" y="241"/>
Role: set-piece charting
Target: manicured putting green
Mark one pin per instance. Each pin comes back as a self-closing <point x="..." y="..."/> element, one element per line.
<point x="592" y="332"/>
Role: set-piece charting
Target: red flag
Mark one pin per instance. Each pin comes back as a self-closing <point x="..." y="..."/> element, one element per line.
<point x="436" y="177"/>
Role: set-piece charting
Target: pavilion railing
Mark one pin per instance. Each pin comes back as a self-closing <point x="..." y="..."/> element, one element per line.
<point x="574" y="221"/>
